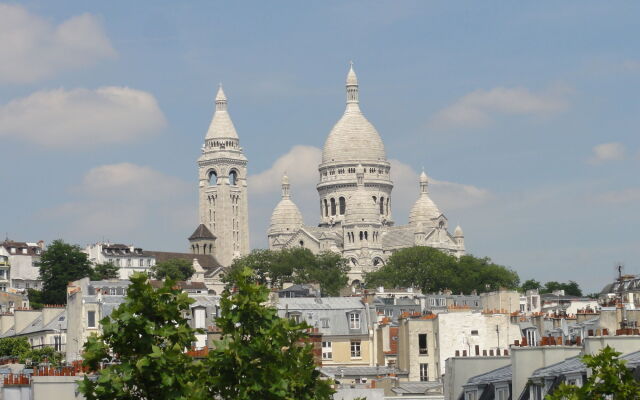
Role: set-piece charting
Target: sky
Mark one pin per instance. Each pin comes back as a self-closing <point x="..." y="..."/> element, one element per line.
<point x="525" y="116"/>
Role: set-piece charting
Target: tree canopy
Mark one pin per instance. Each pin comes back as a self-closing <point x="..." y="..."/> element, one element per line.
<point x="433" y="270"/>
<point x="177" y="269"/>
<point x="610" y="378"/>
<point x="260" y="355"/>
<point x="571" y="288"/>
<point x="20" y="348"/>
<point x="105" y="271"/>
<point x="60" y="264"/>
<point x="145" y="337"/>
<point x="298" y="265"/>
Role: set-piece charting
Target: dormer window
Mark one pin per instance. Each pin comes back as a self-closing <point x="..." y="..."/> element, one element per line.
<point x="354" y="320"/>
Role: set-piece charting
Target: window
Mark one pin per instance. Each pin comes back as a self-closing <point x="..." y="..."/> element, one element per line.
<point x="355" y="349"/>
<point x="233" y="178"/>
<point x="354" y="321"/>
<point x="326" y="208"/>
<point x="128" y="262"/>
<point x="471" y="395"/>
<point x="474" y="332"/>
<point x="91" y="319"/>
<point x="502" y="394"/>
<point x="422" y="343"/>
<point x="424" y="372"/>
<point x="324" y="322"/>
<point x="343" y="205"/>
<point x="295" y="317"/>
<point x="381" y="205"/>
<point x="327" y="353"/>
<point x="333" y="206"/>
<point x="57" y="343"/>
<point x="112" y="291"/>
<point x="213" y="178"/>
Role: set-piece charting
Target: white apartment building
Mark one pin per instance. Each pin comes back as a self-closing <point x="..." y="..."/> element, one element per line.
<point x="22" y="272"/>
<point x="128" y="258"/>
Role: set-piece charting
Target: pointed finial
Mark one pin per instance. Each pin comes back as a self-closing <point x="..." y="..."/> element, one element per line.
<point x="221" y="99"/>
<point x="352" y="89"/>
<point x="285" y="186"/>
<point x="424" y="182"/>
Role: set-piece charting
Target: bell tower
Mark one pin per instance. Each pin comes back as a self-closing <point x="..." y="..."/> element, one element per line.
<point x="222" y="170"/>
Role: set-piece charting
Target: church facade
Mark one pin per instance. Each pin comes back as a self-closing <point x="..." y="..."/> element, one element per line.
<point x="355" y="192"/>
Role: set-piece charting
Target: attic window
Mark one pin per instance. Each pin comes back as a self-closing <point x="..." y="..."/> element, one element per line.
<point x="474" y="332"/>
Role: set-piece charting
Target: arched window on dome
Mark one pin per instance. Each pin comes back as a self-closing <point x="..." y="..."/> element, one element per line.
<point x="387" y="206"/>
<point x="366" y="235"/>
<point x="233" y="177"/>
<point x="343" y="205"/>
<point x="375" y="199"/>
<point x="301" y="243"/>
<point x="381" y="205"/>
<point x="377" y="262"/>
<point x="441" y="224"/>
<point x="361" y="235"/>
<point x="213" y="178"/>
<point x="326" y="208"/>
<point x="333" y="206"/>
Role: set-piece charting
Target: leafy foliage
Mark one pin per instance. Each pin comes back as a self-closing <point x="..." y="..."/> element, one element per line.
<point x="147" y="335"/>
<point x="60" y="264"/>
<point x="609" y="377"/>
<point x="14" y="347"/>
<point x="105" y="271"/>
<point x="260" y="356"/>
<point x="35" y="298"/>
<point x="433" y="270"/>
<point x="298" y="265"/>
<point x="530" y="284"/>
<point x="570" y="289"/>
<point x="175" y="269"/>
<point x="20" y="348"/>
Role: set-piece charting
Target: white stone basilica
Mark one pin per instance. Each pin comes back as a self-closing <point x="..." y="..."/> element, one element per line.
<point x="355" y="201"/>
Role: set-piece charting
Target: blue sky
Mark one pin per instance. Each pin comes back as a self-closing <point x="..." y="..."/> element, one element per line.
<point x="525" y="116"/>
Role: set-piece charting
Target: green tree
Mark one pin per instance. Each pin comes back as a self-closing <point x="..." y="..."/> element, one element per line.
<point x="35" y="298"/>
<point x="433" y="270"/>
<point x="105" y="271"/>
<point x="260" y="356"/>
<point x="60" y="264"/>
<point x="176" y="269"/>
<point x="530" y="284"/>
<point x="570" y="289"/>
<point x="609" y="377"/>
<point x="330" y="271"/>
<point x="145" y="337"/>
<point x="14" y="347"/>
<point x="296" y="264"/>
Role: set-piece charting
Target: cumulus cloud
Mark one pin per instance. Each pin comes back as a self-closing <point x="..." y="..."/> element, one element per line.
<point x="125" y="200"/>
<point x="33" y="48"/>
<point x="605" y="152"/>
<point x="300" y="164"/>
<point x="631" y="195"/>
<point x="82" y="117"/>
<point x="478" y="108"/>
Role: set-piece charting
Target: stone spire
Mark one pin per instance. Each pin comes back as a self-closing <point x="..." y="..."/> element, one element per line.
<point x="424" y="183"/>
<point x="221" y="99"/>
<point x="285" y="186"/>
<point x="221" y="126"/>
<point x="352" y="90"/>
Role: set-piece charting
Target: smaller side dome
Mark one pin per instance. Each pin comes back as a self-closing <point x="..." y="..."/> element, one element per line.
<point x="458" y="232"/>
<point x="286" y="217"/>
<point x="424" y="210"/>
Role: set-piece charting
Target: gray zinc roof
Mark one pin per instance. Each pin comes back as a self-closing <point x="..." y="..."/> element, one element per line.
<point x="568" y="366"/>
<point x="414" y="388"/>
<point x="497" y="375"/>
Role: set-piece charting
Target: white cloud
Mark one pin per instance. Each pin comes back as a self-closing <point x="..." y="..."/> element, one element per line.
<point x="631" y="195"/>
<point x="300" y="164"/>
<point x="478" y="108"/>
<point x="122" y="201"/>
<point x="604" y="152"/>
<point x="32" y="48"/>
<point x="82" y="117"/>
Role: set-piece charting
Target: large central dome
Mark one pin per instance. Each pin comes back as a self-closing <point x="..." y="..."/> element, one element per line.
<point x="353" y="138"/>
